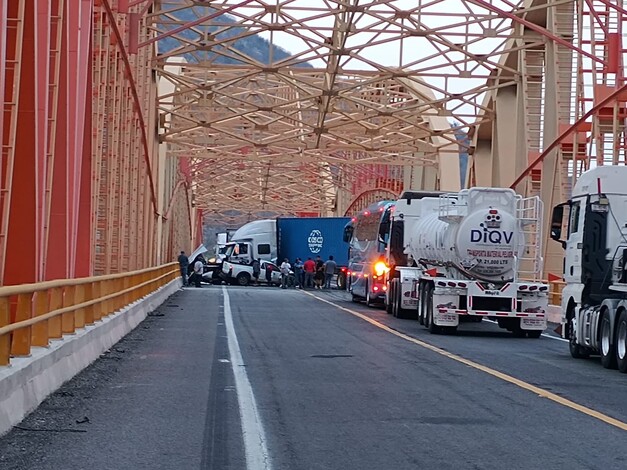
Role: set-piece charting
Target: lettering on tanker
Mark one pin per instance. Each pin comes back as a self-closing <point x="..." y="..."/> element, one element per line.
<point x="490" y="253"/>
<point x="491" y="236"/>
<point x="491" y="247"/>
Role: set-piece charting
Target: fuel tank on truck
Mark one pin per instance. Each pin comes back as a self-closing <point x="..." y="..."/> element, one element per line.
<point x="475" y="230"/>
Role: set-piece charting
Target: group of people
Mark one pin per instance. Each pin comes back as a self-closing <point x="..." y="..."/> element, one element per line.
<point x="191" y="272"/>
<point x="316" y="274"/>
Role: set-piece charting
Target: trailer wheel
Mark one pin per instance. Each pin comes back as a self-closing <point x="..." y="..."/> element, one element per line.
<point x="607" y="345"/>
<point x="243" y="279"/>
<point x="517" y="331"/>
<point x="534" y="333"/>
<point x="621" y="342"/>
<point x="433" y="328"/>
<point x="421" y="304"/>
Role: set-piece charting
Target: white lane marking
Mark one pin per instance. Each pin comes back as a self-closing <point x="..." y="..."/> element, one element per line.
<point x="257" y="457"/>
<point x="546" y="335"/>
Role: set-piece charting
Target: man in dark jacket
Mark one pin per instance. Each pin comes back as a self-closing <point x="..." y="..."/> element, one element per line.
<point x="184" y="265"/>
<point x="256" y="271"/>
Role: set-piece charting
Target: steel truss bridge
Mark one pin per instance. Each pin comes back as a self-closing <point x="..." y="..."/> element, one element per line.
<point x="128" y="125"/>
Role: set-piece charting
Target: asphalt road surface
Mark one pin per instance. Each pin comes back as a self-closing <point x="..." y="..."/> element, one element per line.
<point x="256" y="377"/>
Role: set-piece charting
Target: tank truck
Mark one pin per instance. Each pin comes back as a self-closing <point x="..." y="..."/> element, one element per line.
<point x="467" y="256"/>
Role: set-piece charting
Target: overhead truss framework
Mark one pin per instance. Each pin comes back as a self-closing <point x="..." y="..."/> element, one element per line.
<point x="567" y="113"/>
<point x="336" y="90"/>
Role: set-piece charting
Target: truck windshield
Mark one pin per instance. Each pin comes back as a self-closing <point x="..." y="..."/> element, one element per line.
<point x="228" y="249"/>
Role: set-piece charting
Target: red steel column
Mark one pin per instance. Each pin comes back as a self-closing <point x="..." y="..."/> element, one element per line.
<point x="42" y="52"/>
<point x="22" y="249"/>
<point x="79" y="37"/>
<point x="83" y="221"/>
<point x="57" y="259"/>
<point x="3" y="58"/>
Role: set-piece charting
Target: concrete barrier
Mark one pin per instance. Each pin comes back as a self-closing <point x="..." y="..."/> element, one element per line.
<point x="29" y="380"/>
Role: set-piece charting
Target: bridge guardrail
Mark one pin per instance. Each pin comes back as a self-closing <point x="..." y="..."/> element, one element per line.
<point x="33" y="314"/>
<point x="555" y="291"/>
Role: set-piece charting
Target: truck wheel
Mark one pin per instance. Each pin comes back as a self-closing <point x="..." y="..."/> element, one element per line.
<point x="607" y="345"/>
<point x="433" y="328"/>
<point x="395" y="302"/>
<point x="517" y="331"/>
<point x="243" y="279"/>
<point x="403" y="312"/>
<point x="398" y="311"/>
<point x="576" y="351"/>
<point x="389" y="303"/>
<point x="369" y="302"/>
<point x="421" y="309"/>
<point x="341" y="281"/>
<point x="621" y="342"/>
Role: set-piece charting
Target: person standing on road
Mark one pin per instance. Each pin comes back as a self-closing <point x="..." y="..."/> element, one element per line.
<point x="184" y="266"/>
<point x="329" y="270"/>
<point x="269" y="273"/>
<point x="256" y="271"/>
<point x="319" y="276"/>
<point x="299" y="273"/>
<point x="285" y="272"/>
<point x="309" y="269"/>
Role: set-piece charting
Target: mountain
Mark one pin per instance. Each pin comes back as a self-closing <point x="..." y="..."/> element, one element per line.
<point x="255" y="47"/>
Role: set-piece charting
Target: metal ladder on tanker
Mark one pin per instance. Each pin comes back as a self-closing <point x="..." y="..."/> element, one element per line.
<point x="529" y="213"/>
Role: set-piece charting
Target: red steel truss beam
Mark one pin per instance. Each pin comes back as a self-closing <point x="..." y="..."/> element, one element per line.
<point x="601" y="104"/>
<point x="133" y="88"/>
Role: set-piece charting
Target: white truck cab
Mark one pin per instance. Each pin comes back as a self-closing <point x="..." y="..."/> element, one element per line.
<point x="592" y="228"/>
<point x="257" y="239"/>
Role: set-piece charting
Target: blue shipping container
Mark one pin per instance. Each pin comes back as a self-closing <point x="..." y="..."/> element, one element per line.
<point x="308" y="237"/>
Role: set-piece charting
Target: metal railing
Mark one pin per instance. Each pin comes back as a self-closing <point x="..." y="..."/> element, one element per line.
<point x="33" y="314"/>
<point x="555" y="291"/>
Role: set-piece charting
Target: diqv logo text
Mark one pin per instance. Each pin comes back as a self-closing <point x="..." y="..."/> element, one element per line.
<point x="491" y="236"/>
<point x="315" y="241"/>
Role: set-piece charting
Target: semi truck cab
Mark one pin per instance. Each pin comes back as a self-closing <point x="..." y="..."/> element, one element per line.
<point x="592" y="228"/>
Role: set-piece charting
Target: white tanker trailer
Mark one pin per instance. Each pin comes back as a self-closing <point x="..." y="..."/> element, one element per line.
<point x="468" y="255"/>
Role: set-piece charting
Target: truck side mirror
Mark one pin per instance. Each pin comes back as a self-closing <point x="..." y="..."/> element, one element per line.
<point x="556" y="224"/>
<point x="384" y="229"/>
<point x="348" y="232"/>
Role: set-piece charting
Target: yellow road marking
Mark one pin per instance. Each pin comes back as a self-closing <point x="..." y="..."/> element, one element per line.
<point x="495" y="373"/>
